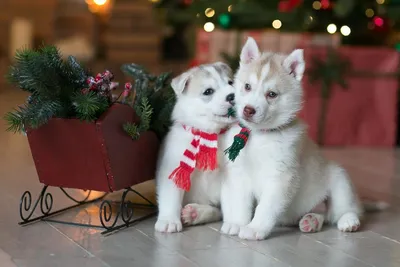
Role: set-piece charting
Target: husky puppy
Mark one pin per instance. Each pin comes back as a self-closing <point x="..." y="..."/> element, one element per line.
<point x="280" y="167"/>
<point x="204" y="96"/>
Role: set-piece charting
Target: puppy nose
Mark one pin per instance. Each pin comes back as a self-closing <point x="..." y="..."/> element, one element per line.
<point x="230" y="97"/>
<point x="249" y="111"/>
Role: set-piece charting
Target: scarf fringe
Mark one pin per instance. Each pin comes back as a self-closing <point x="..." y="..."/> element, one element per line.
<point x="207" y="158"/>
<point x="239" y="142"/>
<point x="234" y="150"/>
<point x="181" y="177"/>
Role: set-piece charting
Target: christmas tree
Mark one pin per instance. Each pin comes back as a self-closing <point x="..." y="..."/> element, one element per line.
<point x="366" y="22"/>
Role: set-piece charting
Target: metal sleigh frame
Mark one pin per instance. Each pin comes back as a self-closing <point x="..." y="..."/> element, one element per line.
<point x="124" y="216"/>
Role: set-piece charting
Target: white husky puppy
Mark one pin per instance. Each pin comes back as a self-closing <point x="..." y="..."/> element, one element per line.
<point x="204" y="96"/>
<point x="280" y="167"/>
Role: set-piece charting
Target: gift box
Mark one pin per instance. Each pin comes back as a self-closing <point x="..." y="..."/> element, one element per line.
<point x="210" y="45"/>
<point x="98" y="156"/>
<point x="364" y="113"/>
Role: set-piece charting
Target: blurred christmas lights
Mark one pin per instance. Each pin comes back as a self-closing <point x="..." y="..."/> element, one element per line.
<point x="331" y="28"/>
<point x="316" y="5"/>
<point x="209" y="12"/>
<point x="345" y="30"/>
<point x="277" y="24"/>
<point x="209" y="27"/>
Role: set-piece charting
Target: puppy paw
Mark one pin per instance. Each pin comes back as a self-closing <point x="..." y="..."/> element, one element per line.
<point x="252" y="233"/>
<point x="168" y="226"/>
<point x="189" y="214"/>
<point x="311" y="223"/>
<point x="230" y="229"/>
<point x="349" y="222"/>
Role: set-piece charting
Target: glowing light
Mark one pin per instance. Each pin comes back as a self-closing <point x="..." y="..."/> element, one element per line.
<point x="331" y="28"/>
<point x="369" y="13"/>
<point x="224" y="20"/>
<point x="325" y="4"/>
<point x="378" y="21"/>
<point x="230" y="8"/>
<point x="380" y="2"/>
<point x="316" y="5"/>
<point x="198" y="15"/>
<point x="209" y="27"/>
<point x="277" y="24"/>
<point x="100" y="2"/>
<point x="209" y="12"/>
<point x="345" y="30"/>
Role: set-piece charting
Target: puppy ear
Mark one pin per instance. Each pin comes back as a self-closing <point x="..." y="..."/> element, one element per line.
<point x="294" y="64"/>
<point x="181" y="82"/>
<point x="223" y="68"/>
<point x="249" y="52"/>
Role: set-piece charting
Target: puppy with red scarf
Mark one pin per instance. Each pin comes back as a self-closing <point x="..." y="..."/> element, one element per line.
<point x="187" y="172"/>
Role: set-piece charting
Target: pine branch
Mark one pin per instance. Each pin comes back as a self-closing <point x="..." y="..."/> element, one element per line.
<point x="146" y="112"/>
<point x="154" y="100"/>
<point x="89" y="106"/>
<point x="56" y="89"/>
<point x="40" y="113"/>
<point x="132" y="130"/>
<point x="15" y="121"/>
<point x="31" y="115"/>
<point x="76" y="73"/>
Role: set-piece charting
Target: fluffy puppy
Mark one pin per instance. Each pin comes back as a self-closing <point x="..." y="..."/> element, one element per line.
<point x="280" y="167"/>
<point x="188" y="157"/>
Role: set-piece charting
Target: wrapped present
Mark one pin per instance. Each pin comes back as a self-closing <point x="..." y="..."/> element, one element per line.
<point x="353" y="99"/>
<point x="211" y="46"/>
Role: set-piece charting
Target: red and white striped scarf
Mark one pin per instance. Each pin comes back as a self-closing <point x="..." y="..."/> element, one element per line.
<point x="201" y="154"/>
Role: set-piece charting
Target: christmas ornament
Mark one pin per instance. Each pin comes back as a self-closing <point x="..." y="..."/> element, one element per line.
<point x="202" y="155"/>
<point x="101" y="84"/>
<point x="126" y="92"/>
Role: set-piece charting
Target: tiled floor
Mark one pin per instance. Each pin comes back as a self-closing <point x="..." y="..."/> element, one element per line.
<point x="375" y="173"/>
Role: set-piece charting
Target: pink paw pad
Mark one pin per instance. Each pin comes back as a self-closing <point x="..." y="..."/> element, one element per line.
<point x="188" y="214"/>
<point x="309" y="224"/>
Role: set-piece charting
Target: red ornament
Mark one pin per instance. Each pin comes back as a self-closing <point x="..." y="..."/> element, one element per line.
<point x="128" y="86"/>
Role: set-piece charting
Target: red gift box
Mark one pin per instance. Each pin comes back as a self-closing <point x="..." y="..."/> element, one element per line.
<point x="364" y="114"/>
<point x="96" y="156"/>
<point x="210" y="45"/>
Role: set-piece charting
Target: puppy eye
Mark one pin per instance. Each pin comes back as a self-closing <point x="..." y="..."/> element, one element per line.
<point x="209" y="91"/>
<point x="247" y="87"/>
<point x="272" y="94"/>
<point x="230" y="82"/>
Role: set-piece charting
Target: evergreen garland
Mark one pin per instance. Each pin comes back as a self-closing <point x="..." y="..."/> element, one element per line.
<point x="56" y="88"/>
<point x="153" y="102"/>
<point x="64" y="89"/>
